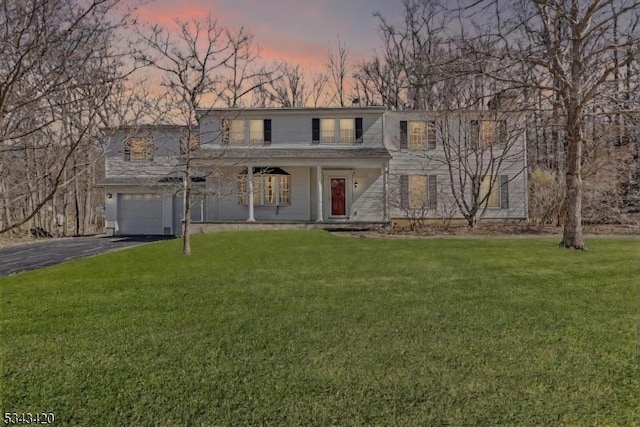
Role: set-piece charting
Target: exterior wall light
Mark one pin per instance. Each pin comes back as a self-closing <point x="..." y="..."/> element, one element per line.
<point x="109" y="195"/>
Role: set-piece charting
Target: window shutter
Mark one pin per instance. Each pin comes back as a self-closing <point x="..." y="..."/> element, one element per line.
<point x="267" y="131"/>
<point x="403" y="134"/>
<point x="504" y="191"/>
<point x="315" y="131"/>
<point x="475" y="133"/>
<point x="431" y="143"/>
<point x="502" y="134"/>
<point x="432" y="195"/>
<point x="359" y="129"/>
<point x="127" y="151"/>
<point x="404" y="191"/>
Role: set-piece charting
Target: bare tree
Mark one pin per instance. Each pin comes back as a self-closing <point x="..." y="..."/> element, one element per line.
<point x="61" y="67"/>
<point x="243" y="73"/>
<point x="574" y="46"/>
<point x="337" y="70"/>
<point x="406" y="75"/>
<point x="191" y="61"/>
<point x="318" y="87"/>
<point x="289" y="90"/>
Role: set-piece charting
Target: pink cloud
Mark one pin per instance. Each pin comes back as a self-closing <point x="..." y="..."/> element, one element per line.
<point x="168" y="15"/>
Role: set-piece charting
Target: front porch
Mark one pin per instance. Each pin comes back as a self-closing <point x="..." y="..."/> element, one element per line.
<point x="318" y="186"/>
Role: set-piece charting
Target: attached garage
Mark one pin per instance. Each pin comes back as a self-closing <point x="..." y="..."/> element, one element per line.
<point x="140" y="213"/>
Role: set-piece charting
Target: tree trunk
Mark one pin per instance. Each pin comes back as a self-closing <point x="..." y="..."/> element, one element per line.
<point x="572" y="235"/>
<point x="186" y="237"/>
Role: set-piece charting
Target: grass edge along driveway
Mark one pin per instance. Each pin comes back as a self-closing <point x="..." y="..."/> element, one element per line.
<point x="310" y="328"/>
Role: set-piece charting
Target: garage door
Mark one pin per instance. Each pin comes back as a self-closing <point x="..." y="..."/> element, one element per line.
<point x="140" y="213"/>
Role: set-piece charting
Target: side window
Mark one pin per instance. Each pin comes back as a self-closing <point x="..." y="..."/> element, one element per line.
<point x="138" y="149"/>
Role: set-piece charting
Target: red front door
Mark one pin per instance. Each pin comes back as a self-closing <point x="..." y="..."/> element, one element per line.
<point x="338" y="197"/>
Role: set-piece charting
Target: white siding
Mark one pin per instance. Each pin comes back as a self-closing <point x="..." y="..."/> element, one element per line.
<point x="294" y="127"/>
<point x="432" y="162"/>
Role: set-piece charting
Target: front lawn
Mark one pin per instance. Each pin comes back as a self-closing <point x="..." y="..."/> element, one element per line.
<point x="308" y="328"/>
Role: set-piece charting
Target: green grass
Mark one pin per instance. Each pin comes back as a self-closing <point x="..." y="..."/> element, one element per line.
<point x="308" y="328"/>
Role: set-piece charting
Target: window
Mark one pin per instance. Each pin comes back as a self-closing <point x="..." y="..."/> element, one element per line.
<point x="269" y="193"/>
<point x="138" y="148"/>
<point x="268" y="189"/>
<point x="493" y="201"/>
<point x="417" y="135"/>
<point x="347" y="133"/>
<point x="327" y="130"/>
<point x="236" y="132"/>
<point x="285" y="190"/>
<point x="232" y="132"/>
<point x="486" y="133"/>
<point x="418" y="192"/>
<point x="349" y="130"/>
<point x="256" y="132"/>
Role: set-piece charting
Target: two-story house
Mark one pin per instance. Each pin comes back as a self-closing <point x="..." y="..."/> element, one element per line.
<point x="354" y="165"/>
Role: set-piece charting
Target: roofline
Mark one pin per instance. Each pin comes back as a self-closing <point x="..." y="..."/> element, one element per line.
<point x="371" y="108"/>
<point x="148" y="127"/>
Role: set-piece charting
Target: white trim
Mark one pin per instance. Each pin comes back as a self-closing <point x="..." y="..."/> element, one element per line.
<point x="320" y="213"/>
<point x="250" y="192"/>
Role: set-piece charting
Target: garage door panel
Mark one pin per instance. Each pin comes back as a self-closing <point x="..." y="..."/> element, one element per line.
<point x="140" y="213"/>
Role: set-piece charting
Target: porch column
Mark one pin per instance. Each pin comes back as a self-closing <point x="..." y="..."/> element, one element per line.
<point x="319" y="183"/>
<point x="385" y="192"/>
<point x="250" y="191"/>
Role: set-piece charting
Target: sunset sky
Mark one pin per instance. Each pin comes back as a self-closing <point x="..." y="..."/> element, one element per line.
<point x="299" y="31"/>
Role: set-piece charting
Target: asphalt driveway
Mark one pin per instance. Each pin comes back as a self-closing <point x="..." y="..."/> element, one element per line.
<point x="31" y="256"/>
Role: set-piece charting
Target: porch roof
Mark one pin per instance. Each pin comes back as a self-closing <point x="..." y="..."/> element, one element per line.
<point x="305" y="152"/>
<point x="135" y="181"/>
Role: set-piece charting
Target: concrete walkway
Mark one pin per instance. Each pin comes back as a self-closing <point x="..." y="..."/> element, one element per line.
<point x="31" y="256"/>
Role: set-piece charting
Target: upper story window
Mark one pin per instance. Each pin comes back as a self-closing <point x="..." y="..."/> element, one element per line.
<point x="256" y="132"/>
<point x="327" y="130"/>
<point x="485" y="133"/>
<point x="234" y="131"/>
<point x="418" y="134"/>
<point x="138" y="148"/>
<point x="348" y="130"/>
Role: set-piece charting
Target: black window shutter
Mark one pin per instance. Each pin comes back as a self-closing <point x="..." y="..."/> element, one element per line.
<point x="475" y="133"/>
<point x="404" y="191"/>
<point x="359" y="129"/>
<point x="403" y="134"/>
<point x="315" y="131"/>
<point x="504" y="191"/>
<point x="502" y="133"/>
<point x="267" y="131"/>
<point x="432" y="195"/>
<point x="431" y="135"/>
